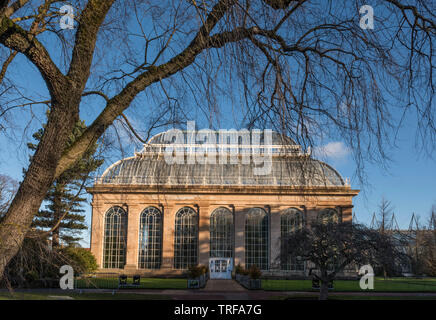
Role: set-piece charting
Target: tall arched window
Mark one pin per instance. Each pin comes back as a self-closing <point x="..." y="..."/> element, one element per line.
<point x="150" y="239"/>
<point x="115" y="238"/>
<point x="291" y="220"/>
<point x="256" y="239"/>
<point x="221" y="233"/>
<point x="186" y="238"/>
<point x="328" y="216"/>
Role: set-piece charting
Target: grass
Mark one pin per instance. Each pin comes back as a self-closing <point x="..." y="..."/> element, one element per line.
<point x="83" y="296"/>
<point x="351" y="297"/>
<point x="146" y="283"/>
<point x="380" y="285"/>
<point x="384" y="297"/>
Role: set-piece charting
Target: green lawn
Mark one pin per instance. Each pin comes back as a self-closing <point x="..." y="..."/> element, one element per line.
<point x="83" y="296"/>
<point x="380" y="285"/>
<point x="146" y="283"/>
<point x="387" y="297"/>
<point x="351" y="297"/>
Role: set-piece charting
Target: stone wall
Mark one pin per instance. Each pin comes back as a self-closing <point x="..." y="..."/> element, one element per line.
<point x="134" y="199"/>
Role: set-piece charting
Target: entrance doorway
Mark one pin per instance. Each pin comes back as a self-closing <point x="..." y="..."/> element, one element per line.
<point x="220" y="268"/>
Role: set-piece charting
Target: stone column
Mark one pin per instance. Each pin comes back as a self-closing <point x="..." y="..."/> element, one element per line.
<point x="311" y="215"/>
<point x="133" y="215"/>
<point x="204" y="235"/>
<point x="303" y="209"/>
<point x="240" y="237"/>
<point x="168" y="237"/>
<point x="347" y="213"/>
<point x="97" y="231"/>
<point x="274" y="240"/>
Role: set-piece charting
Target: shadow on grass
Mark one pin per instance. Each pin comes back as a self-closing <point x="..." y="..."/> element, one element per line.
<point x="380" y="285"/>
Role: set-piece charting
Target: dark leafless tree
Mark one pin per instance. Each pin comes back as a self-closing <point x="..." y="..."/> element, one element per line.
<point x="8" y="188"/>
<point x="426" y="245"/>
<point x="385" y="215"/>
<point x="331" y="247"/>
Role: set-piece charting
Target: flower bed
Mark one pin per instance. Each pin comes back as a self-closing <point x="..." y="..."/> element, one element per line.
<point x="197" y="277"/>
<point x="248" y="283"/>
<point x="249" y="279"/>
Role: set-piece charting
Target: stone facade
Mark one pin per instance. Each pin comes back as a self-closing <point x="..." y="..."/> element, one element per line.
<point x="204" y="200"/>
<point x="255" y="185"/>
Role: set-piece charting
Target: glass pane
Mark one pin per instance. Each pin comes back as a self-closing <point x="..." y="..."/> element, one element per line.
<point x="290" y="221"/>
<point x="186" y="238"/>
<point x="256" y="239"/>
<point x="221" y="233"/>
<point x="115" y="238"/>
<point x="150" y="241"/>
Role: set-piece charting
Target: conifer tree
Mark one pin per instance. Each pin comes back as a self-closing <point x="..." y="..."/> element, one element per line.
<point x="63" y="213"/>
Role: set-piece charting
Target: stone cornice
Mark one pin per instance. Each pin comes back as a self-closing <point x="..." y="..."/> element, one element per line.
<point x="240" y="190"/>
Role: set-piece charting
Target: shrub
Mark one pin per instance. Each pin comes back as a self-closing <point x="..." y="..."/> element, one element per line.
<point x="254" y="272"/>
<point x="196" y="271"/>
<point x="82" y="260"/>
<point x="34" y="261"/>
<point x="239" y="269"/>
<point x="37" y="264"/>
<point x="31" y="276"/>
<point x="204" y="269"/>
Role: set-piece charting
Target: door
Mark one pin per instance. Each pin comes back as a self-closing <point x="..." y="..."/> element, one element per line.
<point x="220" y="268"/>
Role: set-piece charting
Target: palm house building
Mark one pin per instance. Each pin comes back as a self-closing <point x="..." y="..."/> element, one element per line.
<point x="182" y="202"/>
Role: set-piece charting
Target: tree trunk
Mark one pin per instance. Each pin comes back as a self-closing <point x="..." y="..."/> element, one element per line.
<point x="37" y="181"/>
<point x="66" y="94"/>
<point x="55" y="238"/>
<point x="324" y="290"/>
<point x="56" y="216"/>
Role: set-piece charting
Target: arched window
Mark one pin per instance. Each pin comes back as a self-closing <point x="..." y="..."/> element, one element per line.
<point x="291" y="220"/>
<point x="150" y="239"/>
<point x="256" y="239"/>
<point x="221" y="233"/>
<point x="115" y="238"/>
<point x="328" y="216"/>
<point x="186" y="238"/>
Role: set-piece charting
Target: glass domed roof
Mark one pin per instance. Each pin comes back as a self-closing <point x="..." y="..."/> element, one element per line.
<point x="277" y="138"/>
<point x="289" y="168"/>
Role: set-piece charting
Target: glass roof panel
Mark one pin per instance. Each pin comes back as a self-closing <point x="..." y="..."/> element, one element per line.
<point x="292" y="169"/>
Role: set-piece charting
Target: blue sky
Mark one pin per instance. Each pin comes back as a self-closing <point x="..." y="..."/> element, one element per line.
<point x="409" y="182"/>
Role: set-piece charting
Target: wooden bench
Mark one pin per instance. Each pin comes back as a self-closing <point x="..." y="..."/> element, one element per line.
<point x="123" y="283"/>
<point x="316" y="284"/>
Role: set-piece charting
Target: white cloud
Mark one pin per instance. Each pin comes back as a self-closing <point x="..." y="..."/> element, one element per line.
<point x="336" y="150"/>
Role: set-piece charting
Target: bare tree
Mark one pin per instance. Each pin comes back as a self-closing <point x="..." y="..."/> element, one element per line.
<point x="331" y="247"/>
<point x="386" y="224"/>
<point x="385" y="215"/>
<point x="427" y="244"/>
<point x="8" y="188"/>
<point x="303" y="67"/>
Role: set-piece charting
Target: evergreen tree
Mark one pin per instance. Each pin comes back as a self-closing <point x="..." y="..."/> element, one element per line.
<point x="63" y="212"/>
